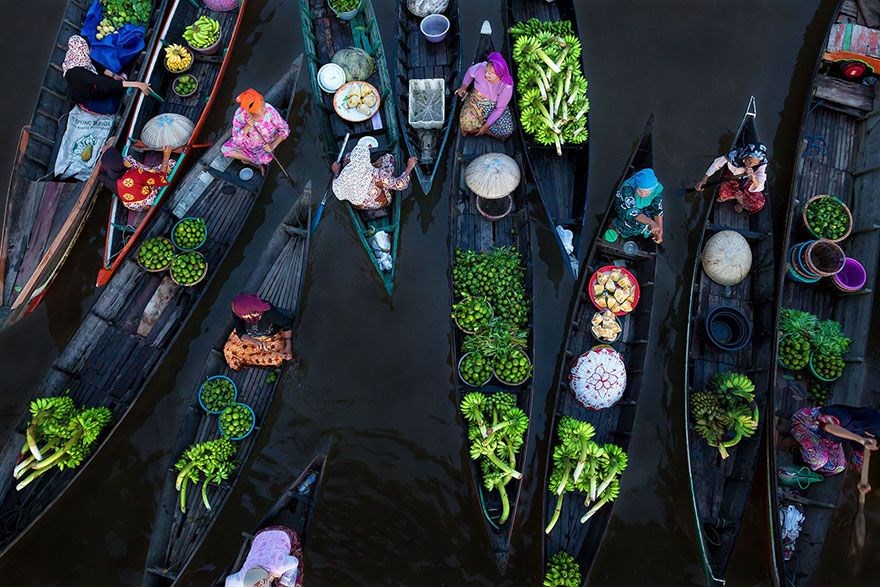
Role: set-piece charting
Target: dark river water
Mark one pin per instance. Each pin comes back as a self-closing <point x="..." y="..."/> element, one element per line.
<point x="375" y="374"/>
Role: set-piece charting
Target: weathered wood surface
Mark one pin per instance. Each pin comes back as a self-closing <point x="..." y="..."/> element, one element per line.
<point x="419" y="59"/>
<point x="42" y="218"/>
<point x="842" y="92"/>
<point x="838" y="154"/>
<point x="561" y="181"/>
<point x="613" y="424"/>
<point x="470" y="231"/>
<point x="323" y="35"/>
<point x="107" y="361"/>
<point x="123" y="230"/>
<point x="721" y="487"/>
<point x="278" y="278"/>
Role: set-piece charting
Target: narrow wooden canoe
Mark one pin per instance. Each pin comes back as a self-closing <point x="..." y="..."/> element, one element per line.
<point x="417" y="58"/>
<point x="124" y="227"/>
<point x="838" y="153"/>
<point x="323" y="35"/>
<point x="292" y="510"/>
<point x="470" y="231"/>
<point x="43" y="217"/>
<point x="561" y="181"/>
<point x="278" y="278"/>
<point x="133" y="324"/>
<point x="614" y="424"/>
<point x="720" y="488"/>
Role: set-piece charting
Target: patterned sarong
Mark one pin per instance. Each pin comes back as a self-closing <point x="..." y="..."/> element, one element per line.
<point x="240" y="354"/>
<point x="477" y="108"/>
<point x="821" y="454"/>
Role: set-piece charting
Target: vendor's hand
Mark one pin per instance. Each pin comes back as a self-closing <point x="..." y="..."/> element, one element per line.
<point x="287" y="355"/>
<point x="461" y="92"/>
<point x="268" y="147"/>
<point x="166" y="150"/>
<point x="700" y="184"/>
<point x="411" y="163"/>
<point x="143" y="87"/>
<point x="870" y="443"/>
<point x="336" y="168"/>
<point x="483" y="130"/>
<point x="864" y="489"/>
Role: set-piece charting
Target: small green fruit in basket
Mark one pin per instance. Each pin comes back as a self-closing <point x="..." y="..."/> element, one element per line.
<point x="475" y="369"/>
<point x="472" y="314"/>
<point x="155" y="253"/>
<point x="236" y="421"/>
<point x="794" y="352"/>
<point x="188" y="268"/>
<point x="190" y="233"/>
<point x="512" y="367"/>
<point x="828" y="366"/>
<point x="217" y="394"/>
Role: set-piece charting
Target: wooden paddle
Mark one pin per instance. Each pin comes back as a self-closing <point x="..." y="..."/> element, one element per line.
<point x="320" y="211"/>
<point x="275" y="159"/>
<point x="858" y="539"/>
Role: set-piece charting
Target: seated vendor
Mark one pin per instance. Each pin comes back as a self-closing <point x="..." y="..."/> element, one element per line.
<point x="743" y="178"/>
<point x="257" y="130"/>
<point x="638" y="207"/>
<point x="273" y="560"/>
<point x="140" y="184"/>
<point x="261" y="337"/>
<point x="486" y="109"/>
<point x="823" y="432"/>
<point x="368" y="185"/>
<point x="93" y="91"/>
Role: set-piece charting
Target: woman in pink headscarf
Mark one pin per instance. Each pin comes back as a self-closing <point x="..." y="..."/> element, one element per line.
<point x="486" y="111"/>
<point x="261" y="337"/>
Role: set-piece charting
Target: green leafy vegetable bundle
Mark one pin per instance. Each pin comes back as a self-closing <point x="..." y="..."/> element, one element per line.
<point x="552" y="89"/>
<point x="562" y="571"/>
<point x="210" y="462"/>
<point x="496" y="430"/>
<point x="806" y="339"/>
<point x="58" y="435"/>
<point x="580" y="464"/>
<point x="725" y="412"/>
<point x="118" y="13"/>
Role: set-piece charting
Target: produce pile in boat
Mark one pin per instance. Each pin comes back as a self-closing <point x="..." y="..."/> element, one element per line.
<point x="236" y="421"/>
<point x="582" y="465"/>
<point x="202" y="33"/>
<point x="725" y="412"/>
<point x="156" y="253"/>
<point x="118" y="13"/>
<point x="562" y="571"/>
<point x="827" y="217"/>
<point x="496" y="429"/>
<point x="493" y="310"/>
<point x="185" y="85"/>
<point x="177" y="58"/>
<point x="806" y="340"/>
<point x="216" y="394"/>
<point x="60" y="435"/>
<point x="605" y="326"/>
<point x="551" y="86"/>
<point x="188" y="268"/>
<point x="190" y="233"/>
<point x="206" y="462"/>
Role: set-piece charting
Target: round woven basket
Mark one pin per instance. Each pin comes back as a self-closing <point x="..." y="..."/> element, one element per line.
<point x="488" y="379"/>
<point x="842" y="205"/>
<point x="823" y="257"/>
<point x="197" y="281"/>
<point x="167" y="265"/>
<point x="523" y="380"/>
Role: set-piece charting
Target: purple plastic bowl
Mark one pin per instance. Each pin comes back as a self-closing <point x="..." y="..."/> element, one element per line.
<point x="852" y="277"/>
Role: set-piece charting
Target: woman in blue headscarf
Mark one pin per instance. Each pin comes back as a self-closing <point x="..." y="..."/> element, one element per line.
<point x="638" y="207"/>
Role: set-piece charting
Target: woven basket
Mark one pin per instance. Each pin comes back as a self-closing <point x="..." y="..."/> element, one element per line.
<point x="842" y="205"/>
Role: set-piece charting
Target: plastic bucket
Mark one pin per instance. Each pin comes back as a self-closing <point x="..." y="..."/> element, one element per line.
<point x="253" y="422"/>
<point x="435" y="27"/>
<point x="202" y="387"/>
<point x="796" y="269"/>
<point x="821" y="257"/>
<point x="348" y="14"/>
<point x="488" y="379"/>
<point x="852" y="277"/>
<point x="728" y="328"/>
<point x="493" y="210"/>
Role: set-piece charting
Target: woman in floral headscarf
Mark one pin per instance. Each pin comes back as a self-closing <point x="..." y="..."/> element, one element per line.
<point x="257" y="130"/>
<point x="261" y="337"/>
<point x="367" y="185"/>
<point x="486" y="111"/>
<point x="93" y="91"/>
<point x="744" y="177"/>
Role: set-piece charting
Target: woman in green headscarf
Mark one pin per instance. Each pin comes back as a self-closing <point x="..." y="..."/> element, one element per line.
<point x="638" y="207"/>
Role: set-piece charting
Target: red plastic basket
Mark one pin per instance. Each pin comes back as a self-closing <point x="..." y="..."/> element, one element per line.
<point x="608" y="269"/>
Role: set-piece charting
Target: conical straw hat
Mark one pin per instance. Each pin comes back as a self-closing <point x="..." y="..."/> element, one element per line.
<point x="492" y="176"/>
<point x="727" y="257"/>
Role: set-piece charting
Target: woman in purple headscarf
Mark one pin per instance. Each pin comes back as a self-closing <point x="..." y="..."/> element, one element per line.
<point x="261" y="337"/>
<point x="485" y="111"/>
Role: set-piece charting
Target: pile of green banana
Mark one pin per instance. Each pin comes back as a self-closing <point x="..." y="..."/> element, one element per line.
<point x="202" y="33"/>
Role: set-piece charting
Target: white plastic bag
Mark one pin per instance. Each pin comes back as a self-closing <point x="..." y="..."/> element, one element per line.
<point x="381" y="245"/>
<point x="567" y="238"/>
<point x="82" y="143"/>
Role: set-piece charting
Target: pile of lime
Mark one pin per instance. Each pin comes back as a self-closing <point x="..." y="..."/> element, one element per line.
<point x="512" y="368"/>
<point x="827" y="218"/>
<point x="188" y="268"/>
<point x="156" y="253"/>
<point x="216" y="394"/>
<point x="190" y="233"/>
<point x="185" y="85"/>
<point x="827" y="366"/>
<point x="236" y="421"/>
<point x="475" y="369"/>
<point x="472" y="314"/>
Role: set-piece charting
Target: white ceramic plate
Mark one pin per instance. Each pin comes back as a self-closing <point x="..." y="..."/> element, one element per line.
<point x="340" y="102"/>
<point x="331" y="77"/>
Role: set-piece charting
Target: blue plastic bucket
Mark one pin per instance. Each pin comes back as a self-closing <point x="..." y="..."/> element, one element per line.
<point x="234" y="392"/>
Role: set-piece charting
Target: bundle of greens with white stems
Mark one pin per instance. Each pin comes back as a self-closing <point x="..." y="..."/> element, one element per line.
<point x="59" y="435"/>
<point x="581" y="464"/>
<point x="551" y="86"/>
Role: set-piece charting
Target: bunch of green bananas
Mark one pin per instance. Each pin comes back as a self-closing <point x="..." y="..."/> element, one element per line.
<point x="734" y="386"/>
<point x="210" y="460"/>
<point x="202" y="33"/>
<point x="562" y="571"/>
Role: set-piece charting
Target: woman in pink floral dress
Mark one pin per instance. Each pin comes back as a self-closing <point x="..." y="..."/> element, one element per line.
<point x="257" y="129"/>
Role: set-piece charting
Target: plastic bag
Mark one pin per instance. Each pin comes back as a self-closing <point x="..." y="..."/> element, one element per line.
<point x="357" y="63"/>
<point x="426" y="7"/>
<point x="381" y="245"/>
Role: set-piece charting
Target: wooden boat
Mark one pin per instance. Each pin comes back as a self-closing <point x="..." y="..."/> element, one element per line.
<point x="838" y="153"/>
<point x="470" y="231"/>
<point x="720" y="488"/>
<point x="278" y="278"/>
<point x="292" y="510"/>
<point x="614" y="424"/>
<point x="324" y="35"/>
<point x="42" y="216"/>
<point x="125" y="227"/>
<point x="134" y="322"/>
<point x="417" y="58"/>
<point x="561" y="181"/>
